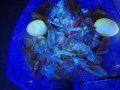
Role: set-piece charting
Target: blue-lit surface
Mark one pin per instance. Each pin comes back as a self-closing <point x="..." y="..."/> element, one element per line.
<point x="19" y="72"/>
<point x="110" y="84"/>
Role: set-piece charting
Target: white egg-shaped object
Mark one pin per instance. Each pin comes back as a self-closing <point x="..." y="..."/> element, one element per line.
<point x="106" y="27"/>
<point x="37" y="28"/>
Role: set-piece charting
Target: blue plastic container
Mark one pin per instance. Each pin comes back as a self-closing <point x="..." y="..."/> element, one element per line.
<point x="19" y="72"/>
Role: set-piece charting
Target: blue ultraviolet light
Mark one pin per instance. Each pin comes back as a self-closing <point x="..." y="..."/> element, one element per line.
<point x="17" y="69"/>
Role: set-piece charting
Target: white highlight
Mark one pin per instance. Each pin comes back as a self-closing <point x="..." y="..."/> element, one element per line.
<point x="106" y="27"/>
<point x="37" y="28"/>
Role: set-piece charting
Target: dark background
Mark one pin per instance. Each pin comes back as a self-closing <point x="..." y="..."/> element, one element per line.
<point x="10" y="11"/>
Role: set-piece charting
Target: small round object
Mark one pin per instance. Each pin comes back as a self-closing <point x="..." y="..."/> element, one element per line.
<point x="106" y="27"/>
<point x="37" y="28"/>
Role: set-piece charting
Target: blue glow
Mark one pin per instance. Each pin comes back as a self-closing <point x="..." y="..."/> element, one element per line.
<point x="17" y="69"/>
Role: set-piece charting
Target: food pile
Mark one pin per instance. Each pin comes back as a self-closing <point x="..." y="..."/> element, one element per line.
<point x="70" y="45"/>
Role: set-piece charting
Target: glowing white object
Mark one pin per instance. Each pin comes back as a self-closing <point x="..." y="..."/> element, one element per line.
<point x="37" y="28"/>
<point x="106" y="27"/>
